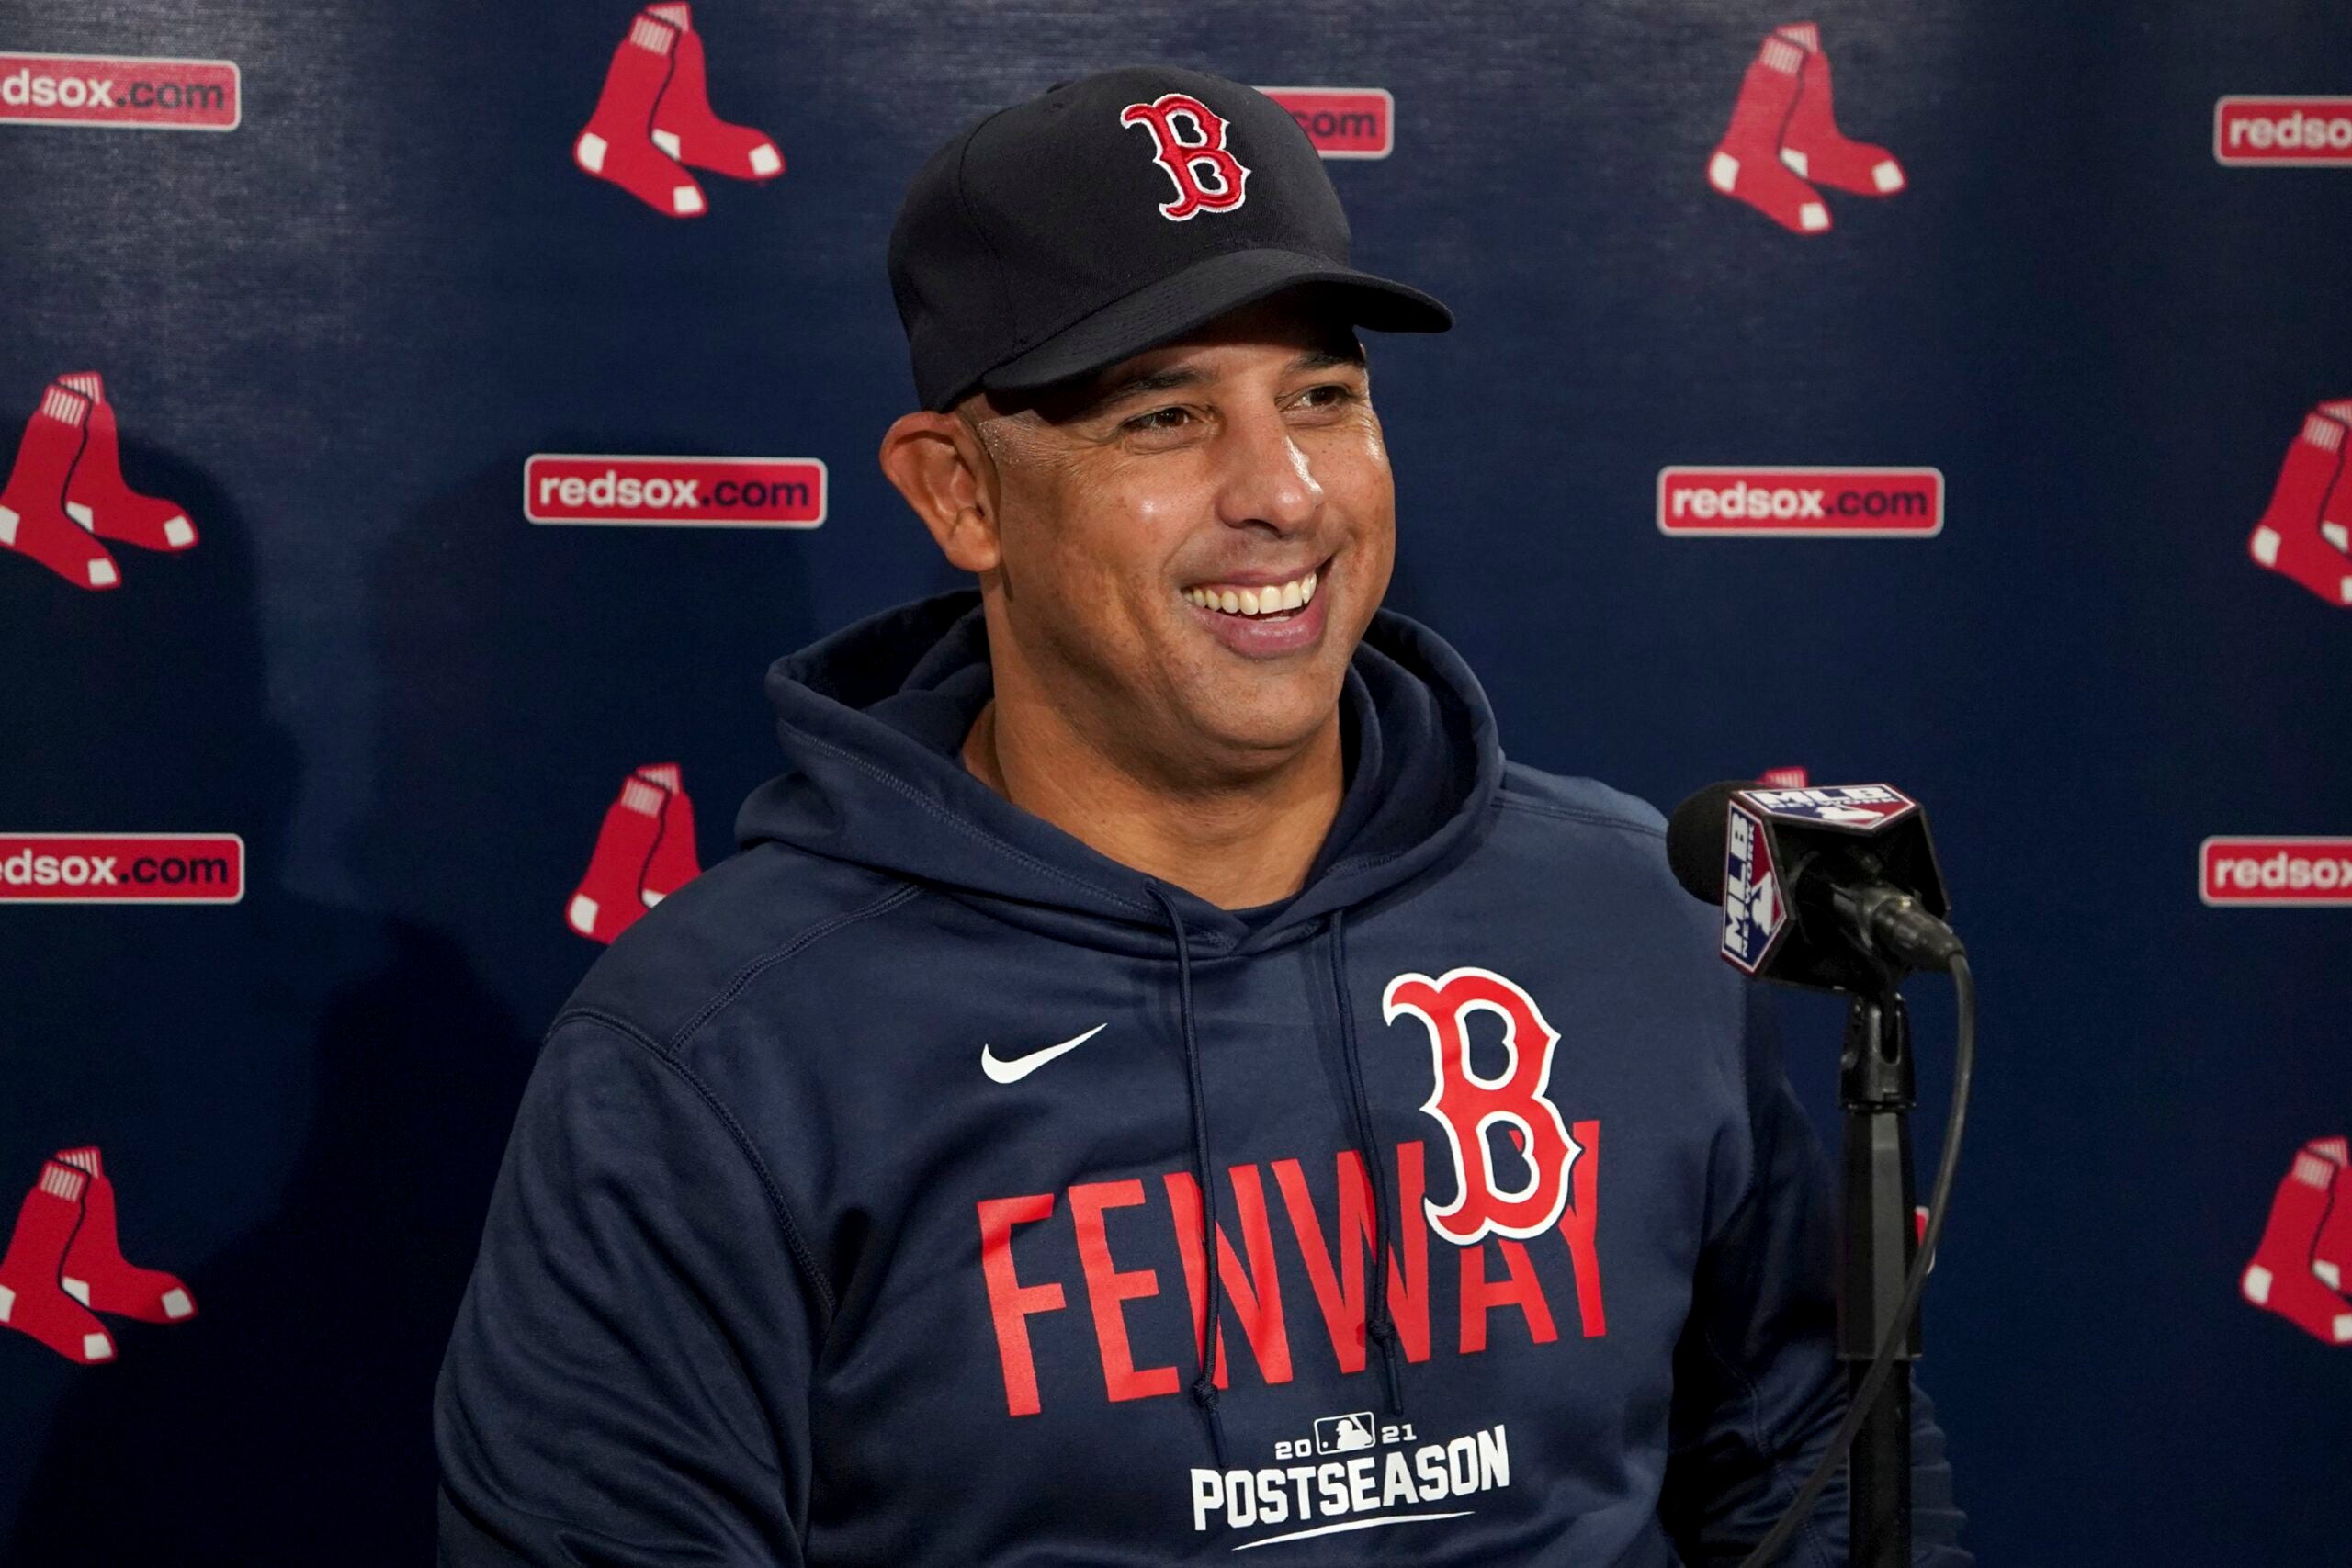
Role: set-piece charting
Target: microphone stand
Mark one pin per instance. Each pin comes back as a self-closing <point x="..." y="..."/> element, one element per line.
<point x="1876" y="1092"/>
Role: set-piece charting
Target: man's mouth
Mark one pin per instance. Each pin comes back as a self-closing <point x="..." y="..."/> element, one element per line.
<point x="1258" y="600"/>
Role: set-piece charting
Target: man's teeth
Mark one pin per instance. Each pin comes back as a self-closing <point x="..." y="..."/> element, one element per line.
<point x="1271" y="600"/>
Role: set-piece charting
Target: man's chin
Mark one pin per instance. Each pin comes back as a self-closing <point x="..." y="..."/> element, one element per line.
<point x="1262" y="737"/>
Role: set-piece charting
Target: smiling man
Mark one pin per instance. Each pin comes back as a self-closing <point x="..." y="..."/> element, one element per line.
<point x="1170" y="628"/>
<point x="1155" y="1081"/>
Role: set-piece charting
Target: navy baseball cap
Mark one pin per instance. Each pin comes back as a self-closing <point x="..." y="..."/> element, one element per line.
<point x="1113" y="214"/>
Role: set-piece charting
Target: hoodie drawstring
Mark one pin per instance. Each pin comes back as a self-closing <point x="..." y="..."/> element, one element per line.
<point x="1380" y="1326"/>
<point x="1210" y="1342"/>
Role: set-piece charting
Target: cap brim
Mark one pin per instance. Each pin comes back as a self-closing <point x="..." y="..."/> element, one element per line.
<point x="1198" y="295"/>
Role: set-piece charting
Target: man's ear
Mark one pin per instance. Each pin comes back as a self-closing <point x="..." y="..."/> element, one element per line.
<point x="948" y="476"/>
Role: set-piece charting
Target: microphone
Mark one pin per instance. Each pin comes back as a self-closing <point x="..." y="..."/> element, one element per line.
<point x="1834" y="886"/>
<point x="1837" y="887"/>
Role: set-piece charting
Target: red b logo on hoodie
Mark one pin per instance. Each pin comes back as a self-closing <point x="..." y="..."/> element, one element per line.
<point x="1183" y="160"/>
<point x="1469" y="1106"/>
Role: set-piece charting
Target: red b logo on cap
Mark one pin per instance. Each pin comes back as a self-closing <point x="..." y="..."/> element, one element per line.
<point x="1183" y="160"/>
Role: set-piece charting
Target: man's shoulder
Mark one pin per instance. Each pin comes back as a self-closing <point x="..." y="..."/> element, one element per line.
<point x="1594" y="859"/>
<point x="1577" y="802"/>
<point x="688" y="955"/>
<point x="1568" y="833"/>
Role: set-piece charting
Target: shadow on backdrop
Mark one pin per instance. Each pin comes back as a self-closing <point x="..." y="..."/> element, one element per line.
<point x="324" y="1091"/>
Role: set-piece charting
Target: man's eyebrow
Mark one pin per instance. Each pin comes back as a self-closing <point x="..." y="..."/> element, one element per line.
<point x="1142" y="385"/>
<point x="1149" y="383"/>
<point x="1328" y="358"/>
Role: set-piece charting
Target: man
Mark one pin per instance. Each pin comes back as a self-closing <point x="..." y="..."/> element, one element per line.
<point x="1155" y="1082"/>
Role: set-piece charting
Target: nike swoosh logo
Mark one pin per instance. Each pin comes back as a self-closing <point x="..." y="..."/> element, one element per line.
<point x="1020" y="1067"/>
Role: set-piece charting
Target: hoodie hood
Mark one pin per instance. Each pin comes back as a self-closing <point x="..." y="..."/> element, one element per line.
<point x="873" y="719"/>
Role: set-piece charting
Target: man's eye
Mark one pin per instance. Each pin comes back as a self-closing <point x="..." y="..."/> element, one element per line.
<point x="1331" y="394"/>
<point x="1158" y="420"/>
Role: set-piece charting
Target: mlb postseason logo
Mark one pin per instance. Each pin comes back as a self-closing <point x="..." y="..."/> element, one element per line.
<point x="2252" y="131"/>
<point x="1861" y="808"/>
<point x="1342" y="122"/>
<point x="1790" y="501"/>
<point x="1754" y="914"/>
<point x="2276" y="870"/>
<point x="1345" y="1434"/>
<point x="120" y="91"/>
<point x="737" y="493"/>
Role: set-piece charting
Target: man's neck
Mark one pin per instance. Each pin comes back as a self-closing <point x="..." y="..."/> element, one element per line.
<point x="1237" y="845"/>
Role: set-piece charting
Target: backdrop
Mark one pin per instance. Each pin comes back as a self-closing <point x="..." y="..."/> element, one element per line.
<point x="330" y="325"/>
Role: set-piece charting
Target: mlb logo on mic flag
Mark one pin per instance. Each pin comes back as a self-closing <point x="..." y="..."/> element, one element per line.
<point x="1754" y="914"/>
<point x="1757" y="917"/>
<point x="1864" y="807"/>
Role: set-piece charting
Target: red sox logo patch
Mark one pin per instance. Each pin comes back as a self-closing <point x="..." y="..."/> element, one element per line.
<point x="1470" y="1106"/>
<point x="1185" y="161"/>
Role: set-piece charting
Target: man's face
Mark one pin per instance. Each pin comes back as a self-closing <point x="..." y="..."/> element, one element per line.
<point x="1141" y="517"/>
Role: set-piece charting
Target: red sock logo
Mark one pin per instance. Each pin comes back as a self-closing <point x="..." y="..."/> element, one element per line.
<point x="683" y="125"/>
<point x="654" y="117"/>
<point x="2331" y="1253"/>
<point x="98" y="498"/>
<point x="66" y="491"/>
<point x="2306" y="531"/>
<point x="617" y="144"/>
<point x="32" y="1296"/>
<point x="33" y="519"/>
<point x="2284" y="1276"/>
<point x="1747" y="165"/>
<point x="645" y="851"/>
<point x="1811" y="144"/>
<point x="96" y="1274"/>
<point x="674" y="862"/>
<point x="2336" y="512"/>
<point x="1783" y="133"/>
<point x="65" y="1262"/>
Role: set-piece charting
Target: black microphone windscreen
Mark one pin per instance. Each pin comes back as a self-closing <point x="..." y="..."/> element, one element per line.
<point x="1694" y="841"/>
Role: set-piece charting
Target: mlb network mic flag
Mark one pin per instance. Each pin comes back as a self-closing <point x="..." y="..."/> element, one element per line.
<point x="1759" y="853"/>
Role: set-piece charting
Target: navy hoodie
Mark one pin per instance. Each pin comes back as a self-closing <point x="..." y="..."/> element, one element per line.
<point x="871" y="1196"/>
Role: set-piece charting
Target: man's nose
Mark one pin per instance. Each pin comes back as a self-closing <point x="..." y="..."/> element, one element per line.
<point x="1267" y="481"/>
